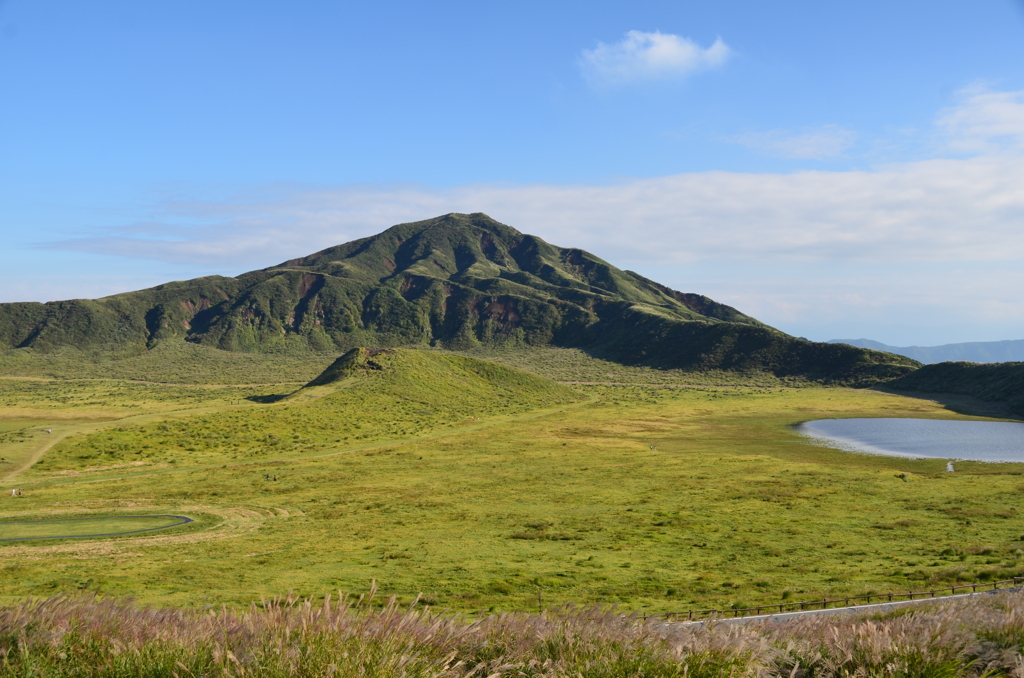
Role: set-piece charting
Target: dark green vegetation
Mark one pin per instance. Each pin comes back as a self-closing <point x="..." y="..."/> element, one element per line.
<point x="998" y="382"/>
<point x="91" y="638"/>
<point x="457" y="282"/>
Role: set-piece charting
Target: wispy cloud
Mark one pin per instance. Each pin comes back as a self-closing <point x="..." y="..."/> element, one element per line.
<point x="913" y="211"/>
<point x="824" y="142"/>
<point x="641" y="56"/>
<point x="984" y="121"/>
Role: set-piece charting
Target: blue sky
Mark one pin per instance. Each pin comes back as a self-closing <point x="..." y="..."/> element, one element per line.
<point x="835" y="169"/>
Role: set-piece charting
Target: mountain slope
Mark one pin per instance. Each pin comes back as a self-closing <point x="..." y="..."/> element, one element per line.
<point x="972" y="351"/>
<point x="456" y="281"/>
<point x="996" y="382"/>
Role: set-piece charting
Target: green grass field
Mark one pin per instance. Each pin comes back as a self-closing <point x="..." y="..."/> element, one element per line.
<point x="482" y="488"/>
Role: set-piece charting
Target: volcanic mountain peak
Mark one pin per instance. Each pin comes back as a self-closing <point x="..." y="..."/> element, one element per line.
<point x="475" y="251"/>
<point x="456" y="281"/>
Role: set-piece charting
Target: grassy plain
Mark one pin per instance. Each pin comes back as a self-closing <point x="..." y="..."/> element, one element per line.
<point x="436" y="476"/>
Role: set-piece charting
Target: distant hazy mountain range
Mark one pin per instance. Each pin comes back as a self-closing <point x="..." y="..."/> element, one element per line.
<point x="974" y="351"/>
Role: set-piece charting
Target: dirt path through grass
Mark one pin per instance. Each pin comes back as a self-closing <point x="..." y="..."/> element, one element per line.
<point x="64" y="432"/>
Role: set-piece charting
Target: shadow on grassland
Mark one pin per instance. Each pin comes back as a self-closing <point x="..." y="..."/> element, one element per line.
<point x="266" y="399"/>
<point x="961" y="404"/>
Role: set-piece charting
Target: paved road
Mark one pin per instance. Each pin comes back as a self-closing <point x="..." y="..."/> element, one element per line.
<point x="182" y="520"/>
<point x="852" y="609"/>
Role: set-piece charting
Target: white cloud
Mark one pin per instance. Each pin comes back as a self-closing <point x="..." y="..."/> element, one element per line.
<point x="985" y="122"/>
<point x="937" y="210"/>
<point x="828" y="141"/>
<point x="649" y="56"/>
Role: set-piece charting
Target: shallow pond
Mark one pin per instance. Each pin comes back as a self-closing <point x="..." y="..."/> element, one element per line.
<point x="922" y="438"/>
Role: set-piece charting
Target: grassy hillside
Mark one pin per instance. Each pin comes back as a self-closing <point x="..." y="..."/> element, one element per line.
<point x="458" y="282"/>
<point x="363" y="396"/>
<point x="997" y="382"/>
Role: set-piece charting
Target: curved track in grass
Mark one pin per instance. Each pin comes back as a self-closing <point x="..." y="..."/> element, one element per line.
<point x="57" y="528"/>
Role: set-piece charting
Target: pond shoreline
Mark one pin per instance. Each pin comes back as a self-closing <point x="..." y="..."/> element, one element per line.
<point x="949" y="439"/>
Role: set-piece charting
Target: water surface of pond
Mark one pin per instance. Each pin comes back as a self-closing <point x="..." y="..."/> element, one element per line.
<point x="922" y="438"/>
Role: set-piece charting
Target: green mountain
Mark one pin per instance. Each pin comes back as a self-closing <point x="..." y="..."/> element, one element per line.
<point x="457" y="281"/>
<point x="992" y="382"/>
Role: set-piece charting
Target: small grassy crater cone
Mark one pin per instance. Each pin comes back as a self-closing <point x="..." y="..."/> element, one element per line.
<point x="432" y="382"/>
<point x="357" y="359"/>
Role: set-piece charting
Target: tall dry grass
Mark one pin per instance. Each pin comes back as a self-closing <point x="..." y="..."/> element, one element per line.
<point x="86" y="637"/>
